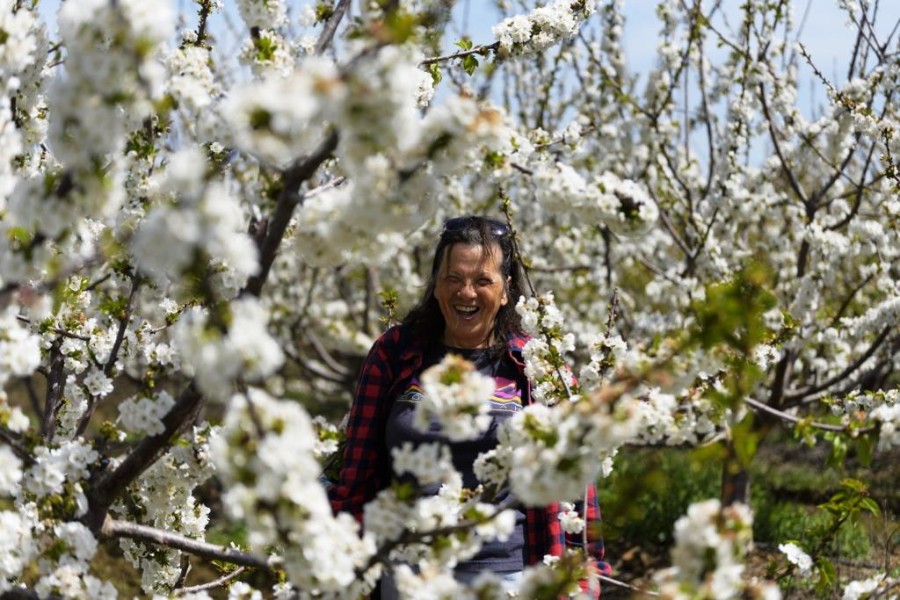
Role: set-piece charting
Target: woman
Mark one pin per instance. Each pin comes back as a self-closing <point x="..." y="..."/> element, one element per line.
<point x="468" y="309"/>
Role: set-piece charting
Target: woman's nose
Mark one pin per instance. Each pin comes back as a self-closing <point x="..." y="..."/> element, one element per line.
<point x="467" y="290"/>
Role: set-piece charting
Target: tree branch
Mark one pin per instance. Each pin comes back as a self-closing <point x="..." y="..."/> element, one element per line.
<point x="761" y="406"/>
<point x="331" y="26"/>
<point x="113" y="353"/>
<point x="123" y="325"/>
<point x="799" y="395"/>
<point x="773" y="135"/>
<point x="115" y="528"/>
<point x="102" y="495"/>
<point x="12" y="440"/>
<point x="294" y="177"/>
<point x="55" y="388"/>
<point x="481" y="49"/>
<point x="205" y="10"/>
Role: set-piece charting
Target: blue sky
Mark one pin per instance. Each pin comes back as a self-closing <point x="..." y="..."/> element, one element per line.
<point x="823" y="31"/>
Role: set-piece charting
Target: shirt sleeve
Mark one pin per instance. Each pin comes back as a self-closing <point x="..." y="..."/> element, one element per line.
<point x="364" y="464"/>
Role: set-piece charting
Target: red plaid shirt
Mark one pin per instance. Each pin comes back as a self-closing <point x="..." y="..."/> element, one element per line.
<point x="394" y="358"/>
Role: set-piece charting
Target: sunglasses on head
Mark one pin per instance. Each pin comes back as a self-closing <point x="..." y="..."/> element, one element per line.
<point x="497" y="228"/>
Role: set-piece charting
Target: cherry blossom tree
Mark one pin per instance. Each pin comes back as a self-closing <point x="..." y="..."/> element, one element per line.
<point x="199" y="246"/>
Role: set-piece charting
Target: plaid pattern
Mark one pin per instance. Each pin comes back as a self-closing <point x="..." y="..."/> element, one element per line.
<point x="394" y="358"/>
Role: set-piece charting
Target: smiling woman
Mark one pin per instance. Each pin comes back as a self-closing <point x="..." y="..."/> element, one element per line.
<point x="473" y="277"/>
<point x="470" y="290"/>
<point x="465" y="311"/>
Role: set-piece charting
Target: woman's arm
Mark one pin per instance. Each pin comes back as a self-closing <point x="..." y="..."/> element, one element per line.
<point x="363" y="466"/>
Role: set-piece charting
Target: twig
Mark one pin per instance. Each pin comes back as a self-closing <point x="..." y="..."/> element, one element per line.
<point x="205" y="10"/>
<point x="56" y="330"/>
<point x="786" y="169"/>
<point x="622" y="584"/>
<point x="798" y="395"/>
<point x="336" y="182"/>
<point x="324" y="355"/>
<point x="482" y="49"/>
<point x="787" y="417"/>
<point x="210" y="585"/>
<point x="312" y="367"/>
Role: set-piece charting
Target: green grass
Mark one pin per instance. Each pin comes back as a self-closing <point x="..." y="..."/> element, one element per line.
<point x="651" y="488"/>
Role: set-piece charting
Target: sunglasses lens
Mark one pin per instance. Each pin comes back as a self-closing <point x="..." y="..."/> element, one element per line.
<point x="498" y="228"/>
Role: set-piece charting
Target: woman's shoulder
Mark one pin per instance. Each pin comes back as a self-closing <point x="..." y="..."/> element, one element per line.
<point x="515" y="341"/>
<point x="400" y="337"/>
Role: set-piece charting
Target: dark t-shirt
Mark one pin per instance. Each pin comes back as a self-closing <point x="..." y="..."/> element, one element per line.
<point x="500" y="557"/>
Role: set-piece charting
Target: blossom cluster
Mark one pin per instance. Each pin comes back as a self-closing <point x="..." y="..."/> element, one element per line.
<point x="162" y="497"/>
<point x="105" y="93"/>
<point x="880" y="407"/>
<point x="455" y="396"/>
<point x="710" y="544"/>
<point x="144" y="414"/>
<point x="23" y="54"/>
<point x="797" y="556"/>
<point x="545" y="353"/>
<point x="60" y="470"/>
<point x="20" y="350"/>
<point x="550" y="453"/>
<point x="67" y="576"/>
<point x="456" y="517"/>
<point x="216" y="358"/>
<point x="428" y="463"/>
<point x="193" y="219"/>
<point x="392" y="186"/>
<point x="543" y="27"/>
<point x="264" y="454"/>
<point x="41" y="534"/>
<point x="66" y="550"/>
<point x="872" y="587"/>
<point x="622" y="204"/>
<point x="77" y="173"/>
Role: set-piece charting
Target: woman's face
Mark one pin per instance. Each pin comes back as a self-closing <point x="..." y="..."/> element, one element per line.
<point x="470" y="289"/>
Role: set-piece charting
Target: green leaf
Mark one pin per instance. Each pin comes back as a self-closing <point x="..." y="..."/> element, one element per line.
<point x="470" y="63"/>
<point x="827" y="574"/>
<point x="464" y="43"/>
<point x="868" y="504"/>
<point x="435" y="72"/>
<point x="838" y="453"/>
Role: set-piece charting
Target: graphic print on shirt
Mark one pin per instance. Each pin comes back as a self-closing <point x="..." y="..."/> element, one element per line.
<point x="506" y="397"/>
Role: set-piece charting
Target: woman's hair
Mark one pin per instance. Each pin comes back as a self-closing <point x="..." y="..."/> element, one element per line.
<point x="426" y="317"/>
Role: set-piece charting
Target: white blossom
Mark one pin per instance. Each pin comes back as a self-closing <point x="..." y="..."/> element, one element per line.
<point x="796" y="555"/>
<point x="456" y="396"/>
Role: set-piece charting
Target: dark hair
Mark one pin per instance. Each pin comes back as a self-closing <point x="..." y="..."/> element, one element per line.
<point x="426" y="317"/>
